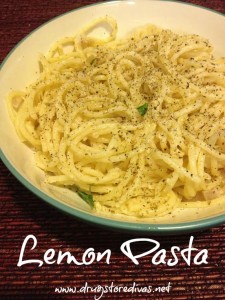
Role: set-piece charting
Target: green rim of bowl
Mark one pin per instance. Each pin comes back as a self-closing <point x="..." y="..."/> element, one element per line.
<point x="131" y="227"/>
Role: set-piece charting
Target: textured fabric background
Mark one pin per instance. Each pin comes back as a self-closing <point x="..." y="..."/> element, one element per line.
<point x="22" y="213"/>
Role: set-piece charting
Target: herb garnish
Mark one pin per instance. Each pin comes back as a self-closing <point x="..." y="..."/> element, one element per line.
<point x="143" y="109"/>
<point x="86" y="197"/>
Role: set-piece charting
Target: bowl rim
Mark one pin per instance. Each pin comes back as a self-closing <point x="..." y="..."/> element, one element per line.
<point x="157" y="229"/>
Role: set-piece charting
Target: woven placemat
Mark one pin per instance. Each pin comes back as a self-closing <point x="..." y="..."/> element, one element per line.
<point x="22" y="214"/>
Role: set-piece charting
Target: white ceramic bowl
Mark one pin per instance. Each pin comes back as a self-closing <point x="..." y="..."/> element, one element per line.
<point x="19" y="69"/>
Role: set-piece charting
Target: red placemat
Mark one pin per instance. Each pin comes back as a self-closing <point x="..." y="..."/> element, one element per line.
<point x="22" y="214"/>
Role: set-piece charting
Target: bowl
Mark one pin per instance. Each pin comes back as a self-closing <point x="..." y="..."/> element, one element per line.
<point x="20" y="68"/>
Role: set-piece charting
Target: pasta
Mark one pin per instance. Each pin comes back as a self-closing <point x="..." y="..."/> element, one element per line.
<point x="135" y="126"/>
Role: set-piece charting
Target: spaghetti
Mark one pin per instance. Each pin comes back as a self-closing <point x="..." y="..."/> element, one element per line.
<point x="134" y="125"/>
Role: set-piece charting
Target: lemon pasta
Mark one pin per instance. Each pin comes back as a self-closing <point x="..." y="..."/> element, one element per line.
<point x="135" y="125"/>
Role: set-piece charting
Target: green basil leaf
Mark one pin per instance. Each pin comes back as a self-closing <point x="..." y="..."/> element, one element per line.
<point x="86" y="197"/>
<point x="143" y="109"/>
